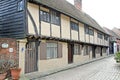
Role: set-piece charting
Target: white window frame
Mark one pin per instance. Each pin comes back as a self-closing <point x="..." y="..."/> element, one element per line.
<point x="52" y="50"/>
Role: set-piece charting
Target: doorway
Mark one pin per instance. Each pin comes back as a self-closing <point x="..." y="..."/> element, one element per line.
<point x="70" y="52"/>
<point x="93" y="51"/>
<point x="101" y="51"/>
<point x="31" y="57"/>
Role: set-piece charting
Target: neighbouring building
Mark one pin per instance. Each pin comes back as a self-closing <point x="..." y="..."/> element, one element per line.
<point x="114" y="43"/>
<point x="51" y="33"/>
<point x="117" y="31"/>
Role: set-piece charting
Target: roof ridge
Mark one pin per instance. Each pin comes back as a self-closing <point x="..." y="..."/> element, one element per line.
<point x="70" y="10"/>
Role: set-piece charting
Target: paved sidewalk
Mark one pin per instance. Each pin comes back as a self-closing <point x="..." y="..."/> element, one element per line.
<point x="105" y="69"/>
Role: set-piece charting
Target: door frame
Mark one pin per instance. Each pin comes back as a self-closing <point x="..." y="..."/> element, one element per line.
<point x="34" y="68"/>
<point x="93" y="52"/>
<point x="101" y="54"/>
<point x="70" y="53"/>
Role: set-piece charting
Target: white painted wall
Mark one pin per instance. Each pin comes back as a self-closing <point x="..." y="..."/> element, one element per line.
<point x="115" y="48"/>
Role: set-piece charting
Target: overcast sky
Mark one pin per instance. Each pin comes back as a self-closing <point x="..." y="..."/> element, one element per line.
<point x="105" y="12"/>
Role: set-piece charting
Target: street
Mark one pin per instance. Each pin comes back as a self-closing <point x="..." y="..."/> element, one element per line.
<point x="105" y="69"/>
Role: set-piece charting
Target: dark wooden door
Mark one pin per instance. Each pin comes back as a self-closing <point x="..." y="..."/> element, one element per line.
<point x="101" y="51"/>
<point x="70" y="53"/>
<point x="93" y="51"/>
<point x="31" y="57"/>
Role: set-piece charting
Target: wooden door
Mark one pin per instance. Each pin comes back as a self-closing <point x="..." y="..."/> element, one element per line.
<point x="93" y="51"/>
<point x="70" y="53"/>
<point x="31" y="57"/>
<point x="101" y="51"/>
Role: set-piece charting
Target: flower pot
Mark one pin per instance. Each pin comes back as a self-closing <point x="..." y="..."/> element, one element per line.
<point x="3" y="76"/>
<point x="15" y="73"/>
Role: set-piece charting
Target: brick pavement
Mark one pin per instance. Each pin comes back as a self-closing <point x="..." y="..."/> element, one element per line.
<point x="105" y="69"/>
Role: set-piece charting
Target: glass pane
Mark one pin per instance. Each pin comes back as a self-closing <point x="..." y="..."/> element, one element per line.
<point x="48" y="53"/>
<point x="52" y="50"/>
<point x="20" y="5"/>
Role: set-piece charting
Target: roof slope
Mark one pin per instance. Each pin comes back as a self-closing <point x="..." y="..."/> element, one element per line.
<point x="68" y="9"/>
<point x="116" y="30"/>
<point x="110" y="32"/>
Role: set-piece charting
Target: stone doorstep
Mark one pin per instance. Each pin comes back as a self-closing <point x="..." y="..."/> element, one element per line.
<point x="35" y="75"/>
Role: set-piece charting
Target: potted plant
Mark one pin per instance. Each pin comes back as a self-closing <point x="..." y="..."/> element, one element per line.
<point x="117" y="57"/>
<point x="15" y="70"/>
<point x="5" y="64"/>
<point x="3" y="69"/>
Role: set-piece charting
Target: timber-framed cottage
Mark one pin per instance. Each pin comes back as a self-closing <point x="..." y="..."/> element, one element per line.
<point x="51" y="33"/>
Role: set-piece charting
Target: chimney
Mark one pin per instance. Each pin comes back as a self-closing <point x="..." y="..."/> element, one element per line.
<point x="78" y="4"/>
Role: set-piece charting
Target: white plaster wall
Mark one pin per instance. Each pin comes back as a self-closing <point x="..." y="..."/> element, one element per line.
<point x="55" y="30"/>
<point x="87" y="38"/>
<point x="45" y="28"/>
<point x="74" y="35"/>
<point x="22" y="49"/>
<point x="34" y="11"/>
<point x="65" y="26"/>
<point x="81" y="32"/>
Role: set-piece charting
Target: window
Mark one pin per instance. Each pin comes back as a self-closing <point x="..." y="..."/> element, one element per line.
<point x="91" y="32"/>
<point x="86" y="29"/>
<point x="104" y="50"/>
<point x="98" y="50"/>
<point x="44" y="16"/>
<point x="52" y="50"/>
<point x="77" y="49"/>
<point x="55" y="18"/>
<point x="100" y="35"/>
<point x="74" y="26"/>
<point x="20" y="5"/>
<point x="106" y="37"/>
<point x="86" y="50"/>
<point x="90" y="49"/>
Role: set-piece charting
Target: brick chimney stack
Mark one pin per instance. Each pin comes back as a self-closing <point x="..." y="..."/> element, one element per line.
<point x="78" y="4"/>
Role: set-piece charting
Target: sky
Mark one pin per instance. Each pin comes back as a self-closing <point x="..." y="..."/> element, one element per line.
<point x="105" y="12"/>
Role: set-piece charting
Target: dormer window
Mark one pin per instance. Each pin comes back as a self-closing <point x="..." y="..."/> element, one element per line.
<point x="20" y="5"/>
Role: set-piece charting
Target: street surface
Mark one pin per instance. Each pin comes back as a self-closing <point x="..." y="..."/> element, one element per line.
<point x="105" y="69"/>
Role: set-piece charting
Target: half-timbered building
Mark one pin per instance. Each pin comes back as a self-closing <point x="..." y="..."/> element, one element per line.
<point x="51" y="33"/>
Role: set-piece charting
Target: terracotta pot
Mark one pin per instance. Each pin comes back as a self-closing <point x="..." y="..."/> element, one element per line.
<point x="3" y="76"/>
<point x="15" y="73"/>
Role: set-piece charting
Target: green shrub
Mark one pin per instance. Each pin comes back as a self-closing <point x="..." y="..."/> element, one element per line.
<point x="117" y="57"/>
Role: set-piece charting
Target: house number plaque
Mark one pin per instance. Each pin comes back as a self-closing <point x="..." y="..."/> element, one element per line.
<point x="5" y="45"/>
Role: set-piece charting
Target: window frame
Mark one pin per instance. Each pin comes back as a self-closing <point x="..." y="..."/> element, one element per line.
<point x="86" y="50"/>
<point x="100" y="35"/>
<point x="54" y="55"/>
<point x="54" y="15"/>
<point x="98" y="50"/>
<point x="86" y="29"/>
<point x="74" y="26"/>
<point x="20" y="5"/>
<point x="104" y="50"/>
<point x="91" y="32"/>
<point x="106" y="37"/>
<point x="77" y="49"/>
<point x="44" y="18"/>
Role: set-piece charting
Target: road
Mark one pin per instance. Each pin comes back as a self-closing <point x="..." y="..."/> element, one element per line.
<point x="105" y="69"/>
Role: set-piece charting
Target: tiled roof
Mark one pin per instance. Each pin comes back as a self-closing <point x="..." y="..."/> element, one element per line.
<point x="68" y="9"/>
<point x="110" y="32"/>
<point x="117" y="31"/>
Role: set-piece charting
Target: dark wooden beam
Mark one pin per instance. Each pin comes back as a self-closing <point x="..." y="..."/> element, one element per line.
<point x="34" y="24"/>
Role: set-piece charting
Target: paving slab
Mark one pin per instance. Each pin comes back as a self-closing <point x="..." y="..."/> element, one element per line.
<point x="104" y="69"/>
